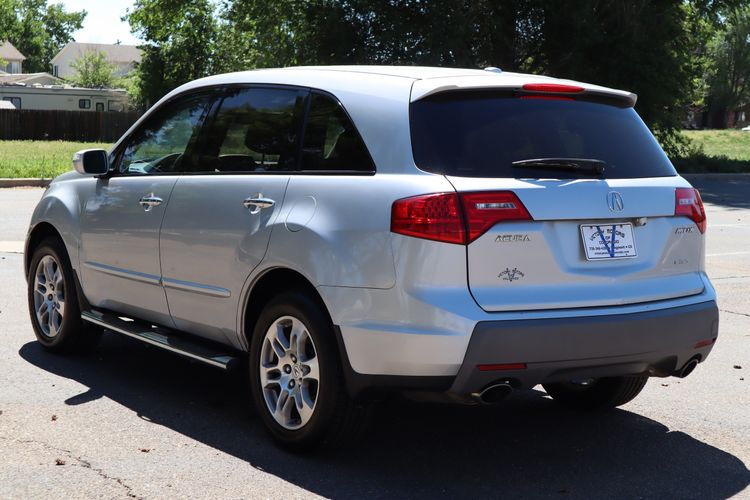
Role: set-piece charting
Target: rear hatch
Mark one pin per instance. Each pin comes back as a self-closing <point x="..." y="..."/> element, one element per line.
<point x="568" y="198"/>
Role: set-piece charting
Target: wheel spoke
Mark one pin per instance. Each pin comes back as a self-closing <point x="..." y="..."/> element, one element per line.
<point x="53" y="325"/>
<point x="269" y="376"/>
<point x="304" y="408"/>
<point x="284" y="405"/>
<point x="49" y="270"/>
<point x="312" y="369"/>
<point x="61" y="307"/>
<point x="58" y="279"/>
<point x="278" y="349"/>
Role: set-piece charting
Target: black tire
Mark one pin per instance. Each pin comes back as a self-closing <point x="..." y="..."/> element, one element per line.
<point x="601" y="394"/>
<point x="336" y="419"/>
<point x="73" y="335"/>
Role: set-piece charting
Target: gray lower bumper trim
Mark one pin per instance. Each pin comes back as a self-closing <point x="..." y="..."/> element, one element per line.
<point x="652" y="341"/>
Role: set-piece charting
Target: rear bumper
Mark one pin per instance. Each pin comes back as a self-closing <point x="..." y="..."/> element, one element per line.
<point x="656" y="342"/>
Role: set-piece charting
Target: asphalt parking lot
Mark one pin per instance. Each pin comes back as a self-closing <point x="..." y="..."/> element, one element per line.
<point x="132" y="421"/>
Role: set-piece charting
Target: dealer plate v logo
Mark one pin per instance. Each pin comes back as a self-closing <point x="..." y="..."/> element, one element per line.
<point x="511" y="275"/>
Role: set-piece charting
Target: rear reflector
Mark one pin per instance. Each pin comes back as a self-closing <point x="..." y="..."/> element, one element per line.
<point x="502" y="367"/>
<point x="688" y="203"/>
<point x="705" y="343"/>
<point x="552" y="87"/>
<point x="453" y="217"/>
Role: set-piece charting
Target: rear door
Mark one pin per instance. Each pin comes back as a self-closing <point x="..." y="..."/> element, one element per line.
<point x="219" y="220"/>
<point x="580" y="237"/>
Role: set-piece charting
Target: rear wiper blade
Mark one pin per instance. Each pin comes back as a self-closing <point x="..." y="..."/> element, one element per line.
<point x="584" y="165"/>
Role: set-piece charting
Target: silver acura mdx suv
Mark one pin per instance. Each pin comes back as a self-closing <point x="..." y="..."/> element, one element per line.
<point x="345" y="232"/>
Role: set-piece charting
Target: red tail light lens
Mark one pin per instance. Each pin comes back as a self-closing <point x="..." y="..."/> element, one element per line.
<point x="688" y="203"/>
<point x="455" y="218"/>
<point x="484" y="210"/>
<point x="431" y="216"/>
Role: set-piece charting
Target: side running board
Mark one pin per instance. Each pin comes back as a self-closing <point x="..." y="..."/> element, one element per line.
<point x="204" y="351"/>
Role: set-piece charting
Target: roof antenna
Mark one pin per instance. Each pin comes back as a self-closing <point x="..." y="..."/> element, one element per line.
<point x="493" y="69"/>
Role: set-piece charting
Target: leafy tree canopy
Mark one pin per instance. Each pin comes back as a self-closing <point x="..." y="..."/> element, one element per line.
<point x="37" y="29"/>
<point x="655" y="48"/>
<point x="92" y="70"/>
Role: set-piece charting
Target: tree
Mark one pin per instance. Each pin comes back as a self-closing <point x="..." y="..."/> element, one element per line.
<point x="38" y="30"/>
<point x="728" y="76"/>
<point x="93" y="71"/>
<point x="180" y="38"/>
<point x="652" y="47"/>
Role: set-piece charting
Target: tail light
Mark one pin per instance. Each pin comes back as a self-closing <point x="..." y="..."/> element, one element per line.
<point x="688" y="203"/>
<point x="453" y="217"/>
<point x="431" y="217"/>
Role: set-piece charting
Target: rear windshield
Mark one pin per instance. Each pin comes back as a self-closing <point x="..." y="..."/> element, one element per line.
<point x="481" y="135"/>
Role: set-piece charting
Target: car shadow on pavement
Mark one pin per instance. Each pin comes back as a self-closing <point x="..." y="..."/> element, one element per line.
<point x="525" y="448"/>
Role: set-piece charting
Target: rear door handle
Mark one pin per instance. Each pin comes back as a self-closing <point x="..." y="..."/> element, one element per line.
<point x="150" y="201"/>
<point x="257" y="203"/>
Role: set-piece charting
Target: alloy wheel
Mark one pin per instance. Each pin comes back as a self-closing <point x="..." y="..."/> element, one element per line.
<point x="49" y="296"/>
<point x="289" y="372"/>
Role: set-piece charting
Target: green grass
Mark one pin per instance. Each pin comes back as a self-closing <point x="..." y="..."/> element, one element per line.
<point x="719" y="151"/>
<point x="732" y="144"/>
<point x="39" y="159"/>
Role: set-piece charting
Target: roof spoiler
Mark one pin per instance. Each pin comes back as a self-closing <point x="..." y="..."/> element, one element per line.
<point x="621" y="97"/>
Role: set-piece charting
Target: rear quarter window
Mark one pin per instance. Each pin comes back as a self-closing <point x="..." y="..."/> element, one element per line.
<point x="481" y="134"/>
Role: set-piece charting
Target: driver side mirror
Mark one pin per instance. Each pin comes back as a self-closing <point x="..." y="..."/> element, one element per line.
<point x="91" y="161"/>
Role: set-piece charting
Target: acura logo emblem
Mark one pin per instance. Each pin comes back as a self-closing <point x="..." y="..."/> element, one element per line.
<point x="614" y="201"/>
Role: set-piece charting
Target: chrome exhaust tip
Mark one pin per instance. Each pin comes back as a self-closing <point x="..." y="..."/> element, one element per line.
<point x="493" y="394"/>
<point x="687" y="369"/>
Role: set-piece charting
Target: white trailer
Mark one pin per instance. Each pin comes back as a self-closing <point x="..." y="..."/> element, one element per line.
<point x="64" y="97"/>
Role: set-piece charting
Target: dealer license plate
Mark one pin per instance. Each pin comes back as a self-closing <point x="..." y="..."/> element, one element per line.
<point x="608" y="241"/>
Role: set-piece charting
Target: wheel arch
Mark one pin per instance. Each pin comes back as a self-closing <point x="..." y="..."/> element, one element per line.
<point x="267" y="285"/>
<point x="39" y="233"/>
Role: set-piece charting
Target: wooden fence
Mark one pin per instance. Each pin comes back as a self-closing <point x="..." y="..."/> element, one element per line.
<point x="48" y="125"/>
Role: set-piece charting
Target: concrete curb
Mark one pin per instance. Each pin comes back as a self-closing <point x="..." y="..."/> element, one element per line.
<point x="10" y="183"/>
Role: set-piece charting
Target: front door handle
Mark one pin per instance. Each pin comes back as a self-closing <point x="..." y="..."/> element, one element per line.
<point x="150" y="201"/>
<point x="258" y="203"/>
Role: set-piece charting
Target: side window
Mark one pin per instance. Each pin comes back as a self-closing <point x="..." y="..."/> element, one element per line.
<point x="331" y="139"/>
<point x="159" y="145"/>
<point x="100" y="106"/>
<point x="84" y="104"/>
<point x="16" y="101"/>
<point x="254" y="130"/>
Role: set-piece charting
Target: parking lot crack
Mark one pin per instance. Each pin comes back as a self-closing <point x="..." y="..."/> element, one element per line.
<point x="79" y="462"/>
<point x="734" y="312"/>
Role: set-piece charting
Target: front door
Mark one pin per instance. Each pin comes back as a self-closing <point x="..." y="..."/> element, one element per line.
<point x="121" y="222"/>
<point x="219" y="220"/>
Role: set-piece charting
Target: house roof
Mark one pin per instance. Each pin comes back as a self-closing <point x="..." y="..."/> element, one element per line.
<point x="114" y="53"/>
<point x="28" y="79"/>
<point x="10" y="53"/>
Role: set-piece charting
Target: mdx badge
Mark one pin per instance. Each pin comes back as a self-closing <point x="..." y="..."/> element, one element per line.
<point x="614" y="201"/>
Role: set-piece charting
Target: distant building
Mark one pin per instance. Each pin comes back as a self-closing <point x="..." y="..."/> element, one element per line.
<point x="29" y="79"/>
<point x="11" y="57"/>
<point x="123" y="57"/>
